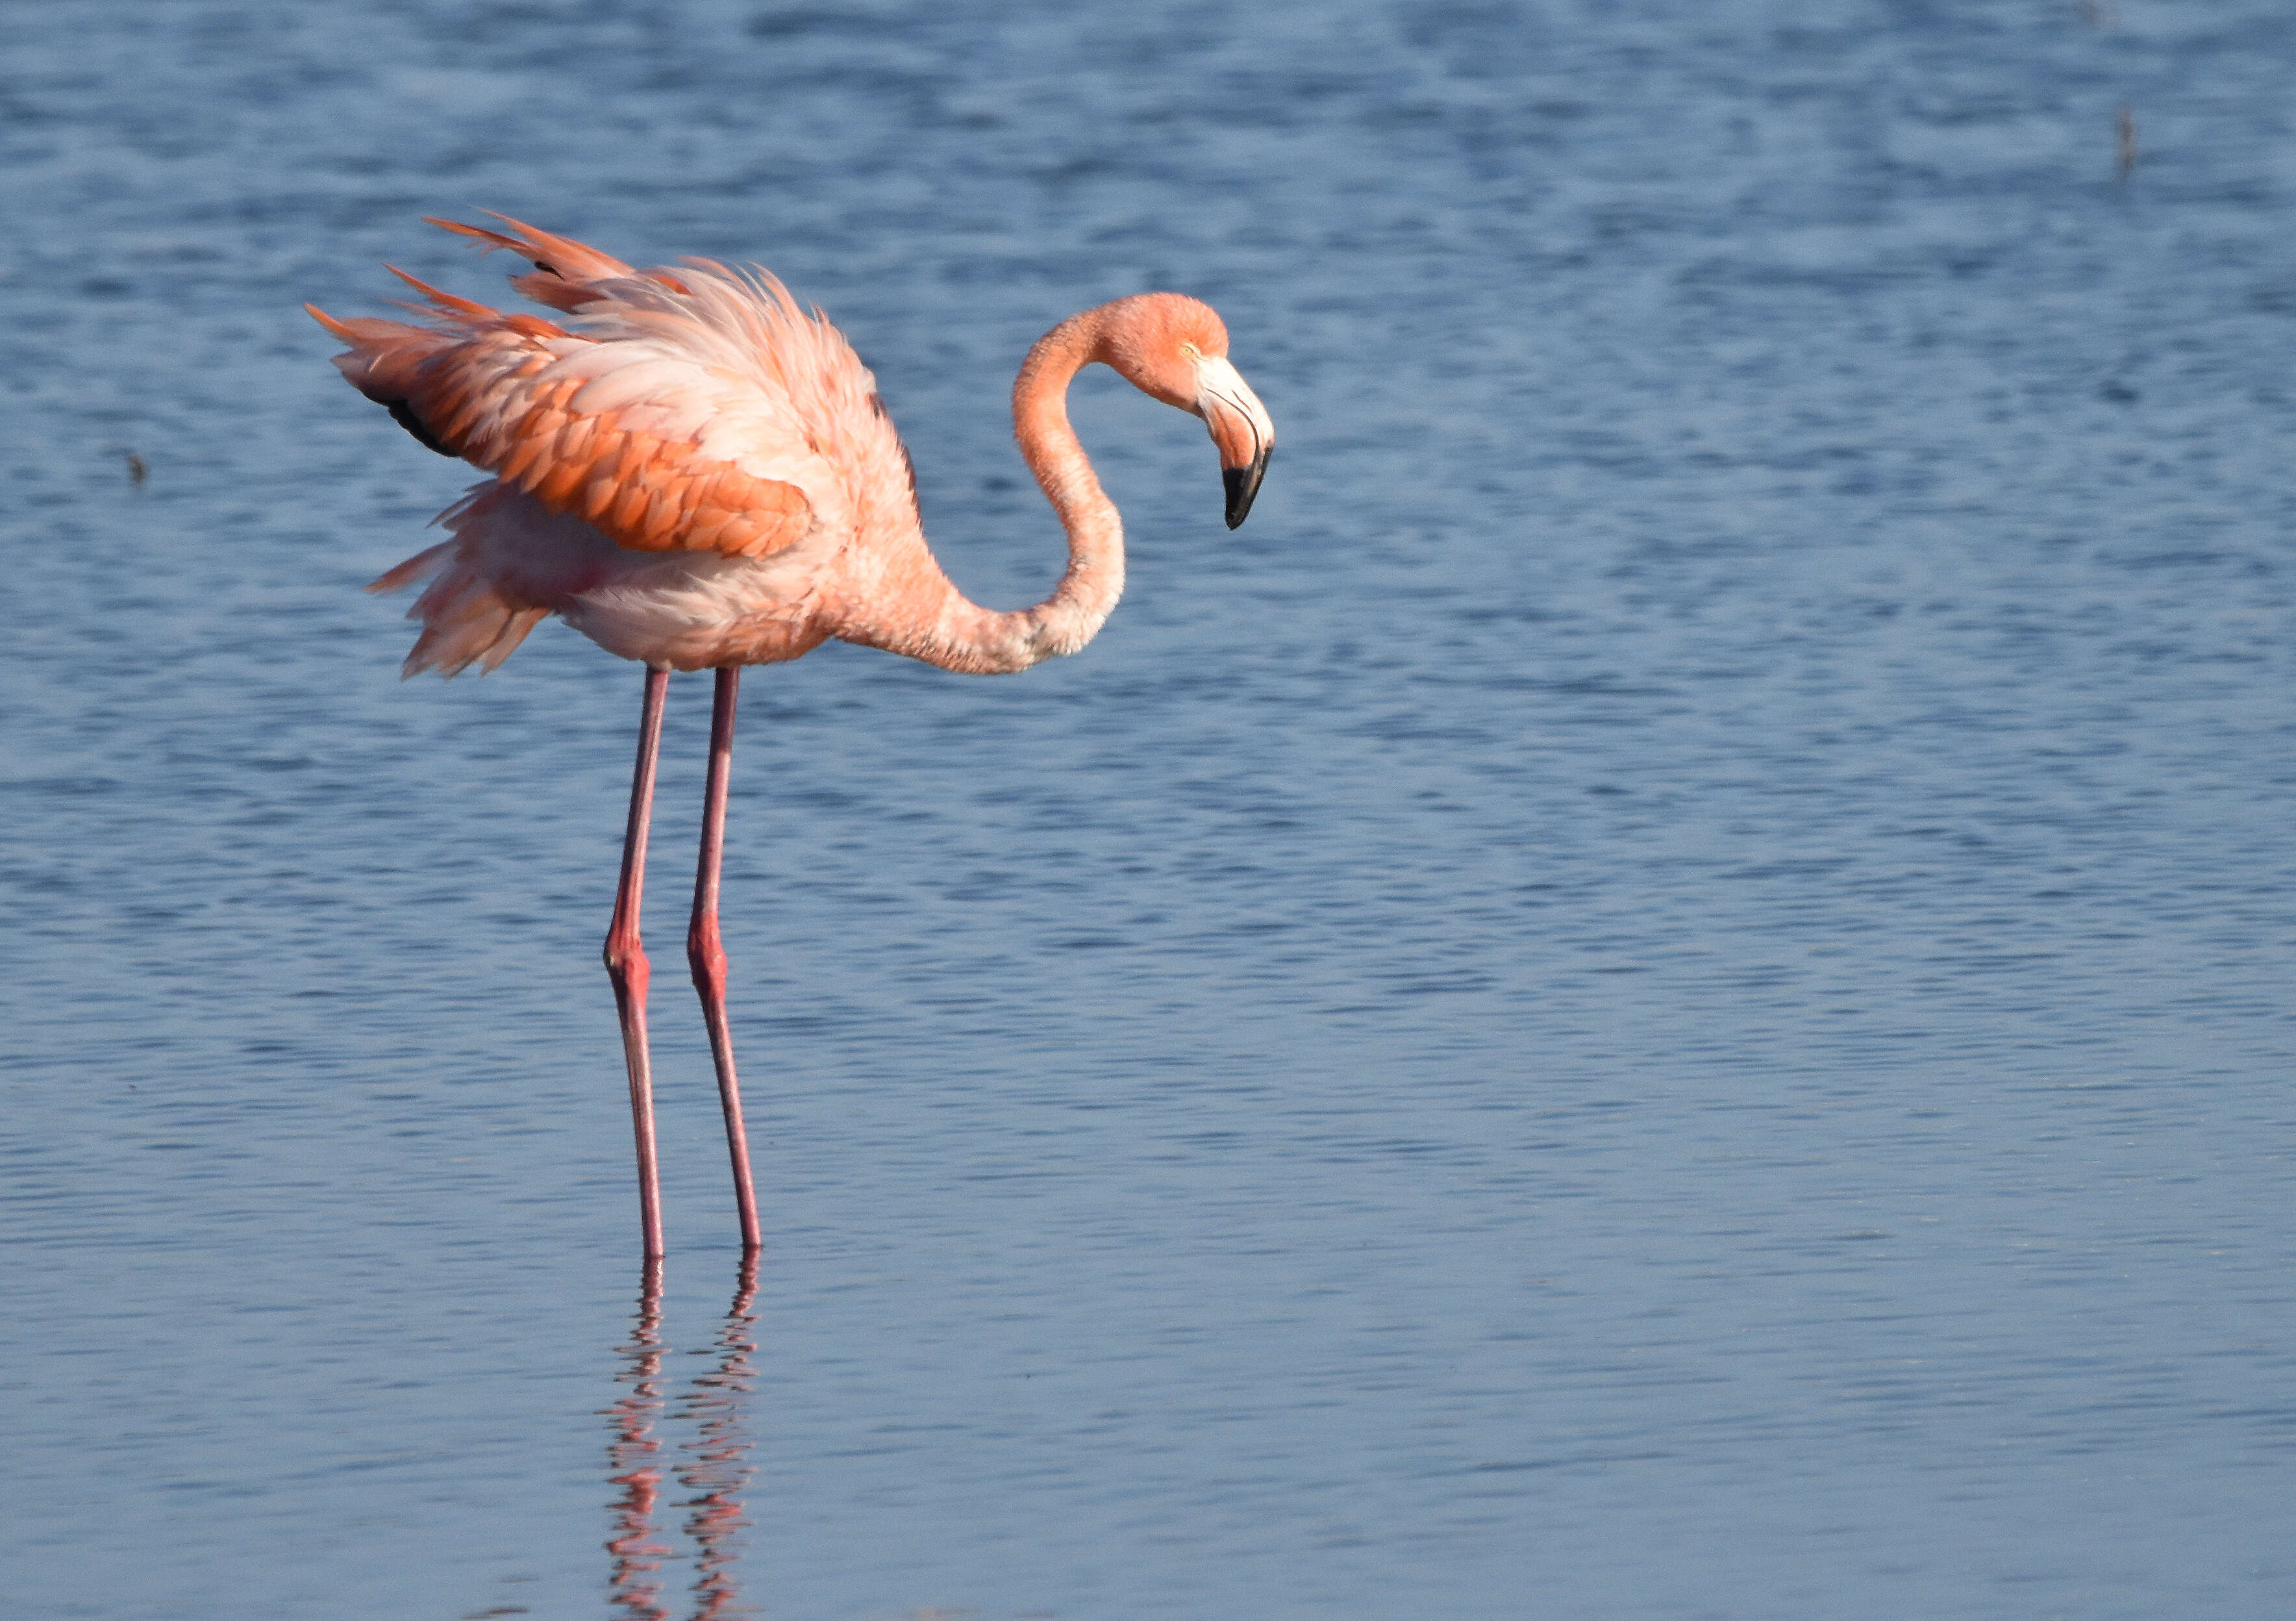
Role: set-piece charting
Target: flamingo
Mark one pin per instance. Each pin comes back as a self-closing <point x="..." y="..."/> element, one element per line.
<point x="696" y="474"/>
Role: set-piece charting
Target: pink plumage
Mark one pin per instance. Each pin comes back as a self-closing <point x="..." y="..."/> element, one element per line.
<point x="695" y="472"/>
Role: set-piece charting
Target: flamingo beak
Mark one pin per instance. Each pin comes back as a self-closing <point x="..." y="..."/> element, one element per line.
<point x="1240" y="428"/>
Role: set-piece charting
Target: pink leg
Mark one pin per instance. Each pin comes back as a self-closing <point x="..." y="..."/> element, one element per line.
<point x="708" y="956"/>
<point x="626" y="959"/>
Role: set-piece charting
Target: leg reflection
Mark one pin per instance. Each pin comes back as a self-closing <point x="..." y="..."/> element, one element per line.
<point x="716" y="1466"/>
<point x="635" y="1580"/>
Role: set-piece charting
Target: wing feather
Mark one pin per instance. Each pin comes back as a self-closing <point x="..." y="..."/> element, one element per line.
<point x="698" y="410"/>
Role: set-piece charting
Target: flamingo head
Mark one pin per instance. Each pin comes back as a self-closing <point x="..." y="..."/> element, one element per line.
<point x="1175" y="348"/>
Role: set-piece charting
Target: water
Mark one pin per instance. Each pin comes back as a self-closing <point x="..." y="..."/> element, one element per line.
<point x="1663" y="992"/>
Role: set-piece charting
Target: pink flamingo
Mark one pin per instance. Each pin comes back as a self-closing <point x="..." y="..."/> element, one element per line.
<point x="696" y="474"/>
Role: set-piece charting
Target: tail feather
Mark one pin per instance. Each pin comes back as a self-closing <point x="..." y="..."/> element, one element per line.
<point x="468" y="617"/>
<point x="473" y="611"/>
<point x="414" y="569"/>
<point x="510" y="565"/>
<point x="513" y="632"/>
<point x="475" y="625"/>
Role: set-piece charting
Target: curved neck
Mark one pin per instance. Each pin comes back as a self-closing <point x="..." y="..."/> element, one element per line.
<point x="1073" y="614"/>
<point x="964" y="635"/>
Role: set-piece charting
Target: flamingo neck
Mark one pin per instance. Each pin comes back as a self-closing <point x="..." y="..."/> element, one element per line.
<point x="966" y="637"/>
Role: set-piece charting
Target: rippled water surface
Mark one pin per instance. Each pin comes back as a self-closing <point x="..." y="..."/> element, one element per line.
<point x="1663" y="992"/>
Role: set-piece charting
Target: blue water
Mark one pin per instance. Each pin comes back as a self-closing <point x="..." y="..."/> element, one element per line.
<point x="1663" y="991"/>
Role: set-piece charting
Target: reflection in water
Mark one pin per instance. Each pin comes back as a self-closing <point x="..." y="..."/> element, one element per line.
<point x="636" y="1580"/>
<point x="717" y="1460"/>
<point x="713" y="1465"/>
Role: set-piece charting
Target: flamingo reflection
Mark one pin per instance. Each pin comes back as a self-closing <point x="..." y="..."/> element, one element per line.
<point x="717" y="1462"/>
<point x="713" y="1465"/>
<point x="636" y="1580"/>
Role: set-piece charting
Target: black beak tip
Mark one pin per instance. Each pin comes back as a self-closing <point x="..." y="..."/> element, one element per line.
<point x="1243" y="485"/>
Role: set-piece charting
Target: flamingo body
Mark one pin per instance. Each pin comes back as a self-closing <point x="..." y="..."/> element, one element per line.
<point x="697" y="473"/>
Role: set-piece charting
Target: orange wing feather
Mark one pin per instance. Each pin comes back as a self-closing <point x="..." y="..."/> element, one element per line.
<point x="490" y="388"/>
<point x="563" y="268"/>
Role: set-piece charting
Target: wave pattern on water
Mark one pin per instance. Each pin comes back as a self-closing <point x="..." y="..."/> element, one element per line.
<point x="1663" y="992"/>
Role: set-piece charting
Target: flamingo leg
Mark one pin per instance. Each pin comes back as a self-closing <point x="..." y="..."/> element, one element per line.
<point x="707" y="955"/>
<point x="626" y="959"/>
